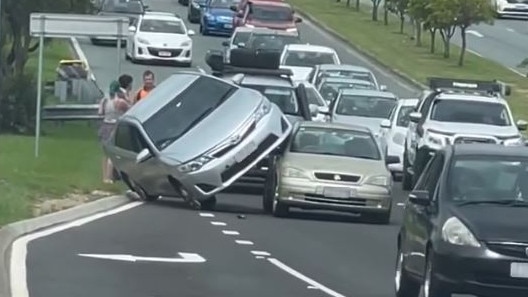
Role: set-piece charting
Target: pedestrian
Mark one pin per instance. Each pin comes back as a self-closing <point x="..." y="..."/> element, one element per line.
<point x="148" y="85"/>
<point x="111" y="108"/>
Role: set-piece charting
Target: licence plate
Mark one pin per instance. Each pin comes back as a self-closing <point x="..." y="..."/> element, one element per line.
<point x="228" y="26"/>
<point x="519" y="270"/>
<point x="164" y="54"/>
<point x="245" y="152"/>
<point x="337" y="192"/>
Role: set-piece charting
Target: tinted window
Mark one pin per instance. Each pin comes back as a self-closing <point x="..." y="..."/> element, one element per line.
<point x="283" y="97"/>
<point x="123" y="6"/>
<point x="360" y="75"/>
<point x="271" y="13"/>
<point x="162" y="26"/>
<point x="308" y="59"/>
<point x="403" y="116"/>
<point x="338" y="142"/>
<point x="190" y="107"/>
<point x="127" y="137"/>
<point x="271" y="41"/>
<point x="464" y="111"/>
<point x="365" y="106"/>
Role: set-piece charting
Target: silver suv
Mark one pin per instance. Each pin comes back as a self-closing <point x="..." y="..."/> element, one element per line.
<point x="457" y="111"/>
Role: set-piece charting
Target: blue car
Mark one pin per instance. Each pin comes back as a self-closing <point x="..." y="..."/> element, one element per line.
<point x="217" y="17"/>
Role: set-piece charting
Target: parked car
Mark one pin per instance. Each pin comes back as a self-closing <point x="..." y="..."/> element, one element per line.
<point x="217" y="17"/>
<point x="194" y="10"/>
<point x="132" y="9"/>
<point x="331" y="167"/>
<point x="193" y="137"/>
<point x="267" y="14"/>
<point x="465" y="224"/>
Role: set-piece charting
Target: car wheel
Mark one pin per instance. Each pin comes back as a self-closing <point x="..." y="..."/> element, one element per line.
<point x="208" y="204"/>
<point x="143" y="195"/>
<point x="432" y="287"/>
<point x="280" y="209"/>
<point x="405" y="286"/>
<point x="270" y="187"/>
<point x="406" y="177"/>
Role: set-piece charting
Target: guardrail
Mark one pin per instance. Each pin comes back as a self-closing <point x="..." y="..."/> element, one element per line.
<point x="71" y="112"/>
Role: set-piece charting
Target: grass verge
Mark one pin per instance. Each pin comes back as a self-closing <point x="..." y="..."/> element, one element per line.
<point x="69" y="161"/>
<point x="398" y="51"/>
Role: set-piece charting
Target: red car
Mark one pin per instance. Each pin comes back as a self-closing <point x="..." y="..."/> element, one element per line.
<point x="275" y="15"/>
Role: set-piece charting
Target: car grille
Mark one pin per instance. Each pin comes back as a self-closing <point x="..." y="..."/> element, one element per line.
<point x="237" y="167"/>
<point x="228" y="148"/>
<point x="340" y="177"/>
<point x="465" y="139"/>
<point x="345" y="201"/>
<point x="512" y="250"/>
<point x="155" y="52"/>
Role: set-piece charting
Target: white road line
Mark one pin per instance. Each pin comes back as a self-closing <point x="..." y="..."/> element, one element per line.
<point x="474" y="53"/>
<point x="18" y="269"/>
<point x="510" y="30"/>
<point x="260" y="257"/>
<point x="230" y="232"/>
<point x="311" y="287"/>
<point x="518" y="72"/>
<point x="218" y="224"/>
<point x="244" y="242"/>
<point x="400" y="204"/>
<point x="260" y="253"/>
<point x="474" y="33"/>
<point x="304" y="278"/>
<point x="207" y="215"/>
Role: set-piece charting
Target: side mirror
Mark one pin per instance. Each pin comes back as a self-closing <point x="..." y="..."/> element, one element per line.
<point x="415" y="117"/>
<point x="241" y="45"/>
<point x="132" y="29"/>
<point x="143" y="156"/>
<point x="522" y="125"/>
<point x="383" y="88"/>
<point x="191" y="32"/>
<point x="234" y="8"/>
<point x="420" y="198"/>
<point x="392" y="160"/>
<point x="215" y="60"/>
<point x="225" y="43"/>
<point x="298" y="20"/>
<point x="385" y="124"/>
<point x="314" y="110"/>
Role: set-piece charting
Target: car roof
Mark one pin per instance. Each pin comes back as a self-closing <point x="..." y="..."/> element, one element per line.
<point x="263" y="80"/>
<point x="470" y="97"/>
<point x="344" y="67"/>
<point x="484" y="149"/>
<point x="346" y="80"/>
<point x="312" y="124"/>
<point x="309" y="48"/>
<point x="373" y="93"/>
<point x="161" y="16"/>
<point x="271" y="3"/>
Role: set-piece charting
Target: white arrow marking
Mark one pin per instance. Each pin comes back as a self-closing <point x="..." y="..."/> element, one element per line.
<point x="475" y="33"/>
<point x="185" y="258"/>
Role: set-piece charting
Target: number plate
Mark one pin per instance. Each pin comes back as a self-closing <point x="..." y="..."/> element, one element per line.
<point x="337" y="192"/>
<point x="164" y="54"/>
<point x="245" y="152"/>
<point x="228" y="26"/>
<point x="519" y="270"/>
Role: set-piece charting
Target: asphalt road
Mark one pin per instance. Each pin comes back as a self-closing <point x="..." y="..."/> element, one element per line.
<point x="309" y="254"/>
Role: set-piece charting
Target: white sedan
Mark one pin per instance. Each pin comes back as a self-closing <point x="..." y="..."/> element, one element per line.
<point x="393" y="131"/>
<point x="158" y="36"/>
<point x="301" y="58"/>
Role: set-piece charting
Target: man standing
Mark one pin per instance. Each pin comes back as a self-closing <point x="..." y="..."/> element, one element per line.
<point x="148" y="85"/>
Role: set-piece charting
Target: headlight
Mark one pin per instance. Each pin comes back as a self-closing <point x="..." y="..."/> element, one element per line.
<point x="379" y="180"/>
<point x="263" y="110"/>
<point x="435" y="140"/>
<point x="291" y="30"/>
<point x="186" y="43"/>
<point x="514" y="142"/>
<point x="293" y="173"/>
<point x="142" y="40"/>
<point x="210" y="17"/>
<point x="455" y="232"/>
<point x="249" y="26"/>
<point x="194" y="165"/>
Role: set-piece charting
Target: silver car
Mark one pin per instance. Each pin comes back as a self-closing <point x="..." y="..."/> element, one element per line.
<point x="193" y="136"/>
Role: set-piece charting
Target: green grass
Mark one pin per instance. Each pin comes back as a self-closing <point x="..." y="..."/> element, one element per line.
<point x="54" y="51"/>
<point x="398" y="51"/>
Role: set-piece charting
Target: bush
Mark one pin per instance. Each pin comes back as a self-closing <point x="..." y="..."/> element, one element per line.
<point x="18" y="105"/>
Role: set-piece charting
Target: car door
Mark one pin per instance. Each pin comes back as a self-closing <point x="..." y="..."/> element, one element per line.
<point x="416" y="129"/>
<point x="302" y="102"/>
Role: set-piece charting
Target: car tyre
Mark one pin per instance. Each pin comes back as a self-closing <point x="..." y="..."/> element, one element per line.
<point x="406" y="177"/>
<point x="405" y="286"/>
<point x="143" y="195"/>
<point x="432" y="286"/>
<point x="208" y="204"/>
<point x="270" y="187"/>
<point x="280" y="209"/>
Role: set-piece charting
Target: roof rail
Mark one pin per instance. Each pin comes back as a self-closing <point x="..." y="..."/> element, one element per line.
<point x="494" y="87"/>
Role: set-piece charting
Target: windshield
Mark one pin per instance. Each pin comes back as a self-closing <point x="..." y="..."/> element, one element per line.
<point x="485" y="178"/>
<point x="313" y="96"/>
<point x="222" y="3"/>
<point x="359" y="75"/>
<point x="330" y="90"/>
<point x="271" y="13"/>
<point x="162" y="26"/>
<point x="121" y="6"/>
<point x="283" y="97"/>
<point x="403" y="116"/>
<point x="468" y="111"/>
<point x="308" y="59"/>
<point x="272" y="42"/>
<point x="338" y="142"/>
<point x="241" y="37"/>
<point x="365" y="106"/>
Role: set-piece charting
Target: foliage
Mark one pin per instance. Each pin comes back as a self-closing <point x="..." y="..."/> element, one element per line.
<point x="400" y="8"/>
<point x="442" y="17"/>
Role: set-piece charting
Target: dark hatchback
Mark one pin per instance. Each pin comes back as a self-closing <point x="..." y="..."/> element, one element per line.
<point x="465" y="225"/>
<point x="131" y="9"/>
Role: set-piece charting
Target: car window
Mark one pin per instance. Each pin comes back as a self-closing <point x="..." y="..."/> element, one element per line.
<point x="403" y="116"/>
<point x="128" y="137"/>
<point x="365" y="106"/>
<point x="222" y="3"/>
<point x="338" y="142"/>
<point x="241" y="37"/>
<point x="188" y="109"/>
<point x="466" y="111"/>
<point x="123" y="6"/>
<point x="330" y="89"/>
<point x="284" y="97"/>
<point x="271" y="13"/>
<point x="430" y="170"/>
<point x="162" y="26"/>
<point x="308" y="58"/>
<point x="271" y="41"/>
<point x="313" y="96"/>
<point x="359" y="75"/>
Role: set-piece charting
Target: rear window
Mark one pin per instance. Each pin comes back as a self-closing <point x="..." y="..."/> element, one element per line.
<point x="187" y="109"/>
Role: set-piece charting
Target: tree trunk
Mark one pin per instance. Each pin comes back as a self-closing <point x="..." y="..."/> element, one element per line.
<point x="433" y="40"/>
<point x="348" y="3"/>
<point x="463" y="48"/>
<point x="385" y="13"/>
<point x="357" y="5"/>
<point x="447" y="48"/>
<point x="418" y="28"/>
<point x="375" y="10"/>
<point x="402" y="22"/>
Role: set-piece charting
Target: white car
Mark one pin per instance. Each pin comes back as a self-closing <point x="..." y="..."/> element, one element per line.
<point x="159" y="36"/>
<point x="302" y="58"/>
<point x="393" y="131"/>
<point x="237" y="40"/>
<point x="511" y="8"/>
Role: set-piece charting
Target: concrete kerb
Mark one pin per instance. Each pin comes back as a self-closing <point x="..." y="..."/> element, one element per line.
<point x="15" y="230"/>
<point x="411" y="81"/>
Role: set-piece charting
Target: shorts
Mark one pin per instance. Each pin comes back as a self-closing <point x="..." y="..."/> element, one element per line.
<point x="105" y="131"/>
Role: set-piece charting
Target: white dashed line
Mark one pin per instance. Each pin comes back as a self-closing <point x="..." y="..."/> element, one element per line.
<point x="304" y="278"/>
<point x="311" y="287"/>
<point x="244" y="242"/>
<point x="474" y="53"/>
<point x="260" y="257"/>
<point x="218" y="224"/>
<point x="260" y="253"/>
<point x="207" y="215"/>
<point x="518" y="72"/>
<point x="401" y="204"/>
<point x="510" y="30"/>
<point x="230" y="232"/>
<point x="474" y="33"/>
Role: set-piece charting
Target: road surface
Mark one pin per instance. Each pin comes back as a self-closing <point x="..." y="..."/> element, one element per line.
<point x="236" y="251"/>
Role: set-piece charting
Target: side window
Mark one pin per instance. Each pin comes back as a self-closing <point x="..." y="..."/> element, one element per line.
<point x="429" y="179"/>
<point x="128" y="137"/>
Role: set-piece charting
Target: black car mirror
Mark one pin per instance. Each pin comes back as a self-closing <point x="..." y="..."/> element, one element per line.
<point x="143" y="156"/>
<point x="215" y="60"/>
<point x="392" y="160"/>
<point x="419" y="197"/>
<point x="225" y="43"/>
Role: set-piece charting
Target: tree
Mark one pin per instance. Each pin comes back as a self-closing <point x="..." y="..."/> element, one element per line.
<point x="418" y="11"/>
<point x="375" y="7"/>
<point x="400" y="7"/>
<point x="386" y="10"/>
<point x="472" y="12"/>
<point x="443" y="16"/>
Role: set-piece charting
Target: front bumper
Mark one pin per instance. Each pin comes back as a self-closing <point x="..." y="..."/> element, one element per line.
<point x="478" y="271"/>
<point x="221" y="172"/>
<point x="309" y="194"/>
<point x="151" y="53"/>
<point x="219" y="27"/>
<point x="512" y="11"/>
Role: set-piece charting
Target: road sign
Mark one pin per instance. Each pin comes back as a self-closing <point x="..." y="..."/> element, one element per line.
<point x="184" y="258"/>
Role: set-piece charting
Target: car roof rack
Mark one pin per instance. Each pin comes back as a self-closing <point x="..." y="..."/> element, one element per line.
<point x="492" y="88"/>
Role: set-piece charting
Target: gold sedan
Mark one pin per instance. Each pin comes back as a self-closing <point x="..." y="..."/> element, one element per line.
<point x="330" y="167"/>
